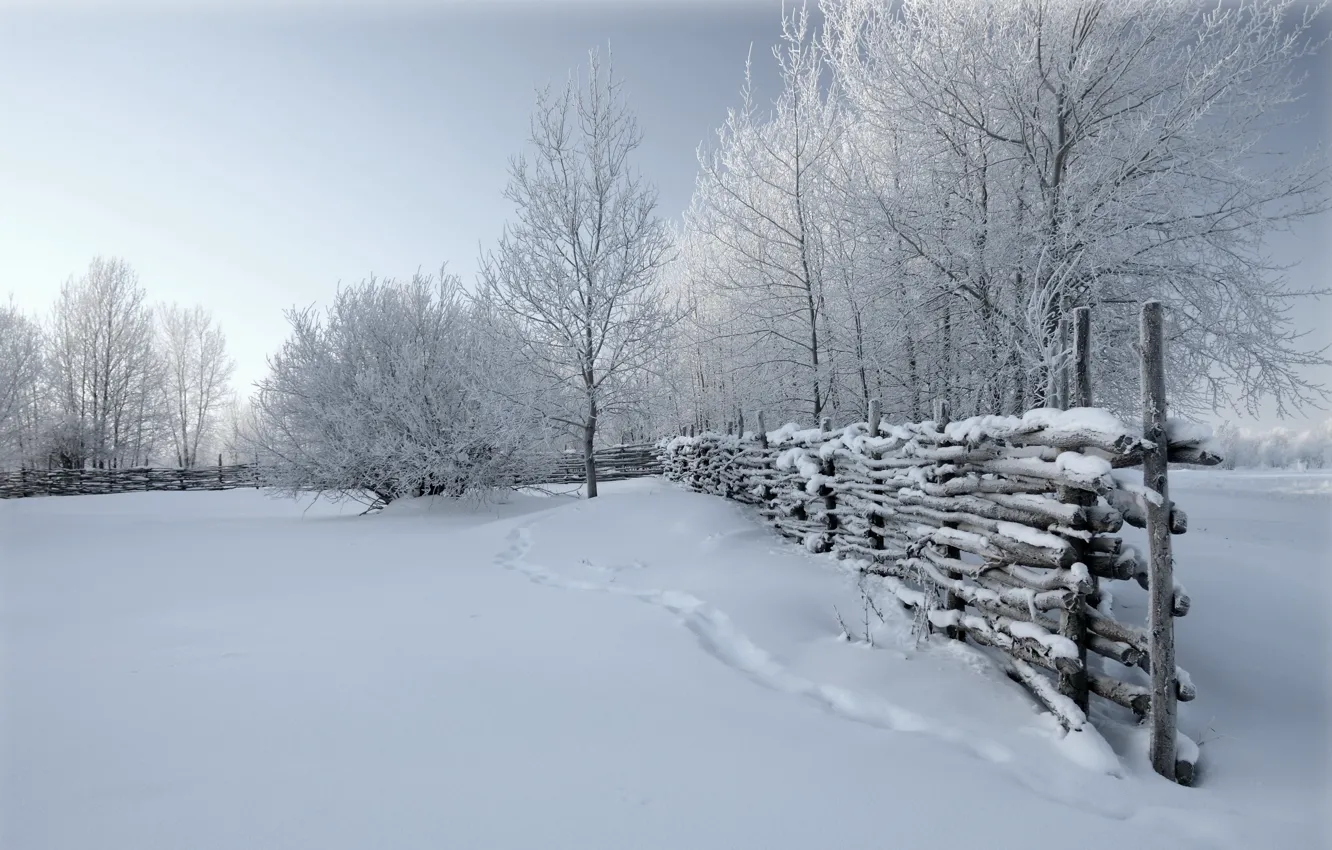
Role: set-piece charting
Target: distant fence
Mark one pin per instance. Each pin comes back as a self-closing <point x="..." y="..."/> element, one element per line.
<point x="86" y="482"/>
<point x="999" y="530"/>
<point x="614" y="463"/>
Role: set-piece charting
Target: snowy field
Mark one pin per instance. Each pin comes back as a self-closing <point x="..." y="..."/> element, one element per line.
<point x="649" y="670"/>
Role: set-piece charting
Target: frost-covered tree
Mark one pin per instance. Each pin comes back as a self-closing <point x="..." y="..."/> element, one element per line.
<point x="104" y="369"/>
<point x="21" y="365"/>
<point x="940" y="182"/>
<point x="760" y="213"/>
<point x="574" y="282"/>
<point x="197" y="371"/>
<point x="1058" y="154"/>
<point x="388" y="394"/>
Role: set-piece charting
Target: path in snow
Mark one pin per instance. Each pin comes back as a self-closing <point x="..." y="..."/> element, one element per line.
<point x="719" y="638"/>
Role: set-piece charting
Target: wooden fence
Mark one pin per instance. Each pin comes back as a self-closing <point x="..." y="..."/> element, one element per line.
<point x="613" y="463"/>
<point x="83" y="482"/>
<point x="997" y="530"/>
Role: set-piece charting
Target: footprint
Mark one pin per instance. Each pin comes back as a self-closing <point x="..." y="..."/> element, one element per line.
<point x="717" y="635"/>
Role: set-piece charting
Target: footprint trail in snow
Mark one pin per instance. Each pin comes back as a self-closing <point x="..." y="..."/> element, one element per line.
<point x="719" y="637"/>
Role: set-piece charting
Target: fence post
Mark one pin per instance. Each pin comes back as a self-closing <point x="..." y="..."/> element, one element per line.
<point x="825" y="424"/>
<point x="763" y="431"/>
<point x="1082" y="392"/>
<point x="1073" y="620"/>
<point x="875" y="414"/>
<point x="1160" y="581"/>
<point x="829" y="469"/>
<point x="1064" y="365"/>
<point x="952" y="602"/>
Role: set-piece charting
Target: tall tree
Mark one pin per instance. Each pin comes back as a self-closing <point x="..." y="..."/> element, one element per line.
<point x="21" y="365"/>
<point x="574" y="280"/>
<point x="761" y="202"/>
<point x="197" y="370"/>
<point x="105" y="369"/>
<point x="1092" y="153"/>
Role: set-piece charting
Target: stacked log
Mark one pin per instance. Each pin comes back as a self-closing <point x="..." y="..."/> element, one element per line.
<point x="998" y="528"/>
<point x="76" y="482"/>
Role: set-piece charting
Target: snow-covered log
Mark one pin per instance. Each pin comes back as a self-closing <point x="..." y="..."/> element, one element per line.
<point x="1134" y="697"/>
<point x="1003" y="520"/>
<point x="1064" y="709"/>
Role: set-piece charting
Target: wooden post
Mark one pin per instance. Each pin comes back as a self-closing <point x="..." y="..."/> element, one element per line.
<point x="1082" y="397"/>
<point x="766" y="493"/>
<point x="1160" y="577"/>
<point x="1072" y="620"/>
<point x="1064" y="365"/>
<point x="740" y="419"/>
<point x="875" y="518"/>
<point x="825" y="425"/>
<point x="1082" y="391"/>
<point x="829" y="469"/>
<point x="940" y="412"/>
<point x="952" y="602"/>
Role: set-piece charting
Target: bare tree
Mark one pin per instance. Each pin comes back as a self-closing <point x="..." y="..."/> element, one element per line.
<point x="760" y="202"/>
<point x="21" y="366"/>
<point x="104" y="369"/>
<point x="197" y="370"/>
<point x="1060" y="154"/>
<point x="575" y="279"/>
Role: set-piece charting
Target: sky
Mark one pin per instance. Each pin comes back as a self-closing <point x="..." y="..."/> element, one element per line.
<point x="251" y="157"/>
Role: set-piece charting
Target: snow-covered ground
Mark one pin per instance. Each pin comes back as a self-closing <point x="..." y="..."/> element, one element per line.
<point x="652" y="669"/>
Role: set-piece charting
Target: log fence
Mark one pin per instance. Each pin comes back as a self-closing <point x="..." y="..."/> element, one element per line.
<point x="998" y="530"/>
<point x="614" y="463"/>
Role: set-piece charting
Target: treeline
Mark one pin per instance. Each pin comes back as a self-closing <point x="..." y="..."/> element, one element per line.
<point x="938" y="185"/>
<point x="1276" y="448"/>
<point x="405" y="388"/>
<point x="107" y="380"/>
<point x="941" y="182"/>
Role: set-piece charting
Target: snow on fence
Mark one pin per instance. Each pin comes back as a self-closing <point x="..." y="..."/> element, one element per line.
<point x="613" y="463"/>
<point x="997" y="530"/>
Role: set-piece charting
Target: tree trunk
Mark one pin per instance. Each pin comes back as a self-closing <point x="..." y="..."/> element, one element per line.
<point x="589" y="458"/>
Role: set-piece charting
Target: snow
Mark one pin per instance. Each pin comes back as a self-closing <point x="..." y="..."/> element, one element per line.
<point x="1058" y="645"/>
<point x="1031" y="536"/>
<point x="1086" y="467"/>
<point x="1129" y="481"/>
<point x="652" y="669"/>
<point x="1050" y="421"/>
<point x="1186" y="431"/>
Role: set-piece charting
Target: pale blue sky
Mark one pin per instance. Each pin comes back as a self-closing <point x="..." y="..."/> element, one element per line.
<point x="250" y="159"/>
